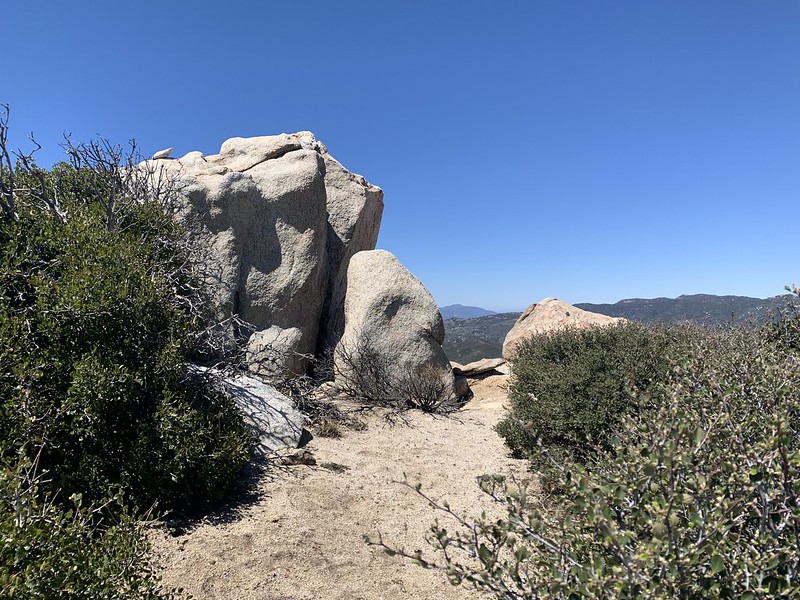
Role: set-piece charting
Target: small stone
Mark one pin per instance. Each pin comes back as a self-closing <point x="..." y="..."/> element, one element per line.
<point x="163" y="153"/>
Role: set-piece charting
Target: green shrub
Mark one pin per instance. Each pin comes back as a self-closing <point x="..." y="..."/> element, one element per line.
<point x="62" y="549"/>
<point x="101" y="305"/>
<point x="784" y="331"/>
<point x="697" y="498"/>
<point x="99" y="311"/>
<point x="571" y="388"/>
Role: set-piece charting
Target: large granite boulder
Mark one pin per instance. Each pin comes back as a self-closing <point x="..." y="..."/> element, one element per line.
<point x="549" y="315"/>
<point x="391" y="347"/>
<point x="355" y="208"/>
<point x="279" y="218"/>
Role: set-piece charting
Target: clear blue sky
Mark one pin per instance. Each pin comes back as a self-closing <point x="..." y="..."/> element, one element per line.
<point x="592" y="151"/>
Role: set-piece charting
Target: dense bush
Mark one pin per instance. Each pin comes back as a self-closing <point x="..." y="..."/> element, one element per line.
<point x="698" y="497"/>
<point x="570" y="388"/>
<point x="101" y="305"/>
<point x="99" y="310"/>
<point x="63" y="549"/>
<point x="784" y="331"/>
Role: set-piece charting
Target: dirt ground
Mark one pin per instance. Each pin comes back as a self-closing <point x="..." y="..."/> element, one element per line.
<point x="299" y="533"/>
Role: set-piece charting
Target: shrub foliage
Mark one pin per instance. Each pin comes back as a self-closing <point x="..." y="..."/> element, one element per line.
<point x="696" y="495"/>
<point x="570" y="388"/>
<point x="55" y="548"/>
<point x="96" y="323"/>
<point x="100" y="308"/>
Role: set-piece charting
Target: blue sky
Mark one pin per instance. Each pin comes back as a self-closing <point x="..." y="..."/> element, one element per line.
<point x="592" y="151"/>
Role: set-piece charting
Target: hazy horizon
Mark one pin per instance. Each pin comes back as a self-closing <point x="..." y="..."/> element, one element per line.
<point x="520" y="309"/>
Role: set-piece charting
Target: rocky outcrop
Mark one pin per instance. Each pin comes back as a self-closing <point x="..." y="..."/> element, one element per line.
<point x="549" y="315"/>
<point x="274" y="418"/>
<point x="280" y="219"/>
<point x="392" y="326"/>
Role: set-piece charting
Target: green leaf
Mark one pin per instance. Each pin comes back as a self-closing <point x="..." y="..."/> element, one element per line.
<point x="717" y="564"/>
<point x="485" y="554"/>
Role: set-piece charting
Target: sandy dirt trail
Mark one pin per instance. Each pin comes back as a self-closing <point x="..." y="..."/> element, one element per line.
<point x="301" y="538"/>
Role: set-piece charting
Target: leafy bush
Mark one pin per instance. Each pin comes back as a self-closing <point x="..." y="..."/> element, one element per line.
<point x="699" y="497"/>
<point x="63" y="549"/>
<point x="784" y="331"/>
<point x="571" y="388"/>
<point x="99" y="310"/>
<point x="101" y="305"/>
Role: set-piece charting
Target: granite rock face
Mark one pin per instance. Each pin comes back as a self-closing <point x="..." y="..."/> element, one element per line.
<point x="275" y="420"/>
<point x="280" y="219"/>
<point x="355" y="208"/>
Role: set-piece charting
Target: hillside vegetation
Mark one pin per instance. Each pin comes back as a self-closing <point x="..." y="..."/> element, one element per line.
<point x="467" y="340"/>
<point x="703" y="309"/>
<point x="471" y="339"/>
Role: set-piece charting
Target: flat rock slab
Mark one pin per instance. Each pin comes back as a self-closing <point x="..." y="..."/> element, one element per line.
<point x="479" y="367"/>
<point x="274" y="417"/>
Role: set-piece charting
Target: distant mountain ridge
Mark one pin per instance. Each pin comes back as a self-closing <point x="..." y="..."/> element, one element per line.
<point x="469" y="339"/>
<point x="459" y="311"/>
<point x="707" y="309"/>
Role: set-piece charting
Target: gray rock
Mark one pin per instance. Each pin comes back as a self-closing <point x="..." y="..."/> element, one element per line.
<point x="479" y="367"/>
<point x="274" y="351"/>
<point x="265" y="232"/>
<point x="393" y="324"/>
<point x="504" y="369"/>
<point x="279" y="219"/>
<point x="550" y="315"/>
<point x="162" y="153"/>
<point x="274" y="417"/>
<point x="355" y="208"/>
<point x="241" y="154"/>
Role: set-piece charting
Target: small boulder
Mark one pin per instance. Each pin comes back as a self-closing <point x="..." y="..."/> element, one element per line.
<point x="461" y="387"/>
<point x="549" y="315"/>
<point x="302" y="456"/>
<point x="161" y="154"/>
<point x="479" y="367"/>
